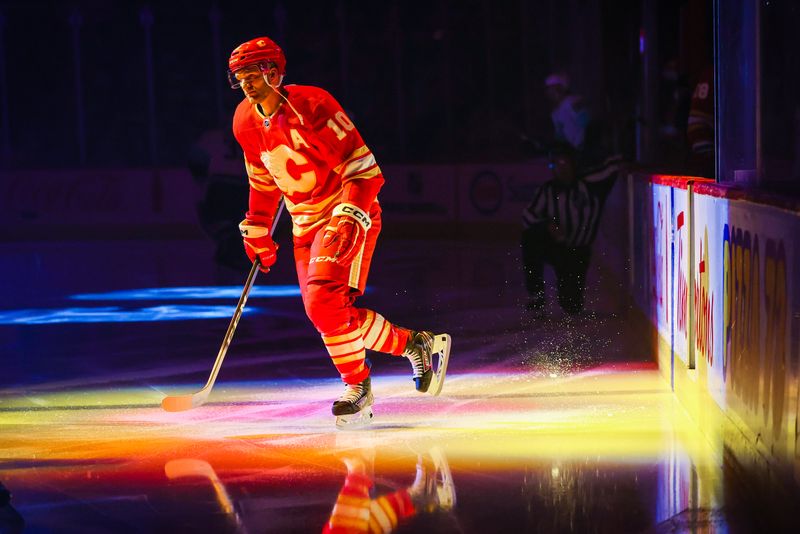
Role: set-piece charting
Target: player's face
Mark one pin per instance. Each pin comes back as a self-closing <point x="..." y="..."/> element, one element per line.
<point x="254" y="87"/>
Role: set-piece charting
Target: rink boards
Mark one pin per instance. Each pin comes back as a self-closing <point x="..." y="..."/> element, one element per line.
<point x="713" y="271"/>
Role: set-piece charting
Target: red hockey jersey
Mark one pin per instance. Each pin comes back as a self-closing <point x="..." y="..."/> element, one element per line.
<point x="311" y="153"/>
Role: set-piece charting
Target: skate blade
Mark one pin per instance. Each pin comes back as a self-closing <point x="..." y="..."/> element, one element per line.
<point x="441" y="347"/>
<point x="356" y="420"/>
<point x="445" y="487"/>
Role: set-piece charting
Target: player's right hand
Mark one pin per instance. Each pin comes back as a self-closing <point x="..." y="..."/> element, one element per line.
<point x="349" y="225"/>
<point x="258" y="244"/>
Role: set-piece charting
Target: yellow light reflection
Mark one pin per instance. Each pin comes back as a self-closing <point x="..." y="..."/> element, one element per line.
<point x="614" y="414"/>
<point x="491" y="423"/>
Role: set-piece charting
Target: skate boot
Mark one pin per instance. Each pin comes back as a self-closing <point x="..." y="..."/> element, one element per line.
<point x="420" y="349"/>
<point x="354" y="408"/>
<point x="433" y="489"/>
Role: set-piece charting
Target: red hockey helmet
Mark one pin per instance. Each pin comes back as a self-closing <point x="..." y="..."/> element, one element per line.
<point x="260" y="51"/>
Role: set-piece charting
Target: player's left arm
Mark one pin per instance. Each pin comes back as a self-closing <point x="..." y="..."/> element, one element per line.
<point x="263" y="203"/>
<point x="361" y="179"/>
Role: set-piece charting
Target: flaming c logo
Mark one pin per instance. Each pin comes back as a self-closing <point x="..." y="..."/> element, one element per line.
<point x="291" y="170"/>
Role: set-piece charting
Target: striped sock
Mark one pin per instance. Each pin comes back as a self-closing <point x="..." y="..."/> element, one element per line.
<point x="347" y="353"/>
<point x="354" y="511"/>
<point x="351" y="511"/>
<point x="388" y="510"/>
<point x="381" y="335"/>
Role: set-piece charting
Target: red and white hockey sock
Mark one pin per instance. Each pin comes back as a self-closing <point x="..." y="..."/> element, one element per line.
<point x="387" y="511"/>
<point x="381" y="335"/>
<point x="351" y="512"/>
<point x="355" y="512"/>
<point x="347" y="353"/>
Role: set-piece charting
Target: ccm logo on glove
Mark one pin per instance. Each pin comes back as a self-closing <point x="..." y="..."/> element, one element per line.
<point x="354" y="212"/>
<point x="348" y="227"/>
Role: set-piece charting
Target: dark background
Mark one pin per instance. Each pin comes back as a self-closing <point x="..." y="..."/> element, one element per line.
<point x="424" y="81"/>
<point x="435" y="81"/>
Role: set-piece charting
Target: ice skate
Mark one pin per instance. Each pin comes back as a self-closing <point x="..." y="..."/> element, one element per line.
<point x="420" y="348"/>
<point x="433" y="489"/>
<point x="354" y="408"/>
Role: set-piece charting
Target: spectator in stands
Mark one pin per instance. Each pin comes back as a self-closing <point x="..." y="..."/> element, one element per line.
<point x="567" y="111"/>
<point x="700" y="130"/>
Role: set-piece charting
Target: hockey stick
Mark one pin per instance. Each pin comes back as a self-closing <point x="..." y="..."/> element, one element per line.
<point x="180" y="403"/>
<point x="191" y="467"/>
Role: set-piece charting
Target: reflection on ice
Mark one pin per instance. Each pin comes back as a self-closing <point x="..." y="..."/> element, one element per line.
<point x="368" y="501"/>
<point x="606" y="446"/>
<point x="361" y="508"/>
<point x="192" y="467"/>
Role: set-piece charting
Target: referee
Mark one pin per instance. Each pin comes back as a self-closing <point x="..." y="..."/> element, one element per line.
<point x="560" y="225"/>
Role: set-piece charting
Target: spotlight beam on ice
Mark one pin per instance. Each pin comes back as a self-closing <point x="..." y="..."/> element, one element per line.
<point x="191" y="293"/>
<point x="115" y="314"/>
<point x="164" y="312"/>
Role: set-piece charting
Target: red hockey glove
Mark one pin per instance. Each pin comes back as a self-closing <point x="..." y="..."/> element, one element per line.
<point x="348" y="226"/>
<point x="258" y="244"/>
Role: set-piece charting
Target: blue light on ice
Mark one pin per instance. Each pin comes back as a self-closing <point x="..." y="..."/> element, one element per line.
<point x="115" y="314"/>
<point x="192" y="293"/>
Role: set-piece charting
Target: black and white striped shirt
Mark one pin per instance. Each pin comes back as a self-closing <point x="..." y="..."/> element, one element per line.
<point x="575" y="208"/>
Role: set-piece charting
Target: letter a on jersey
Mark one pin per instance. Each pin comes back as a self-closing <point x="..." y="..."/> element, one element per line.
<point x="297" y="139"/>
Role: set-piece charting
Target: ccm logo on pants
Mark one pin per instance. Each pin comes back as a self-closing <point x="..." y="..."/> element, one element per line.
<point x="322" y="259"/>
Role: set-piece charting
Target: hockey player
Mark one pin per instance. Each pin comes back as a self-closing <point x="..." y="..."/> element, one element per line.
<point x="299" y="144"/>
<point x="355" y="511"/>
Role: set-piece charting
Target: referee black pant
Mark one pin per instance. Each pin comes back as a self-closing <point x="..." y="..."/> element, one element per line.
<point x="569" y="263"/>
